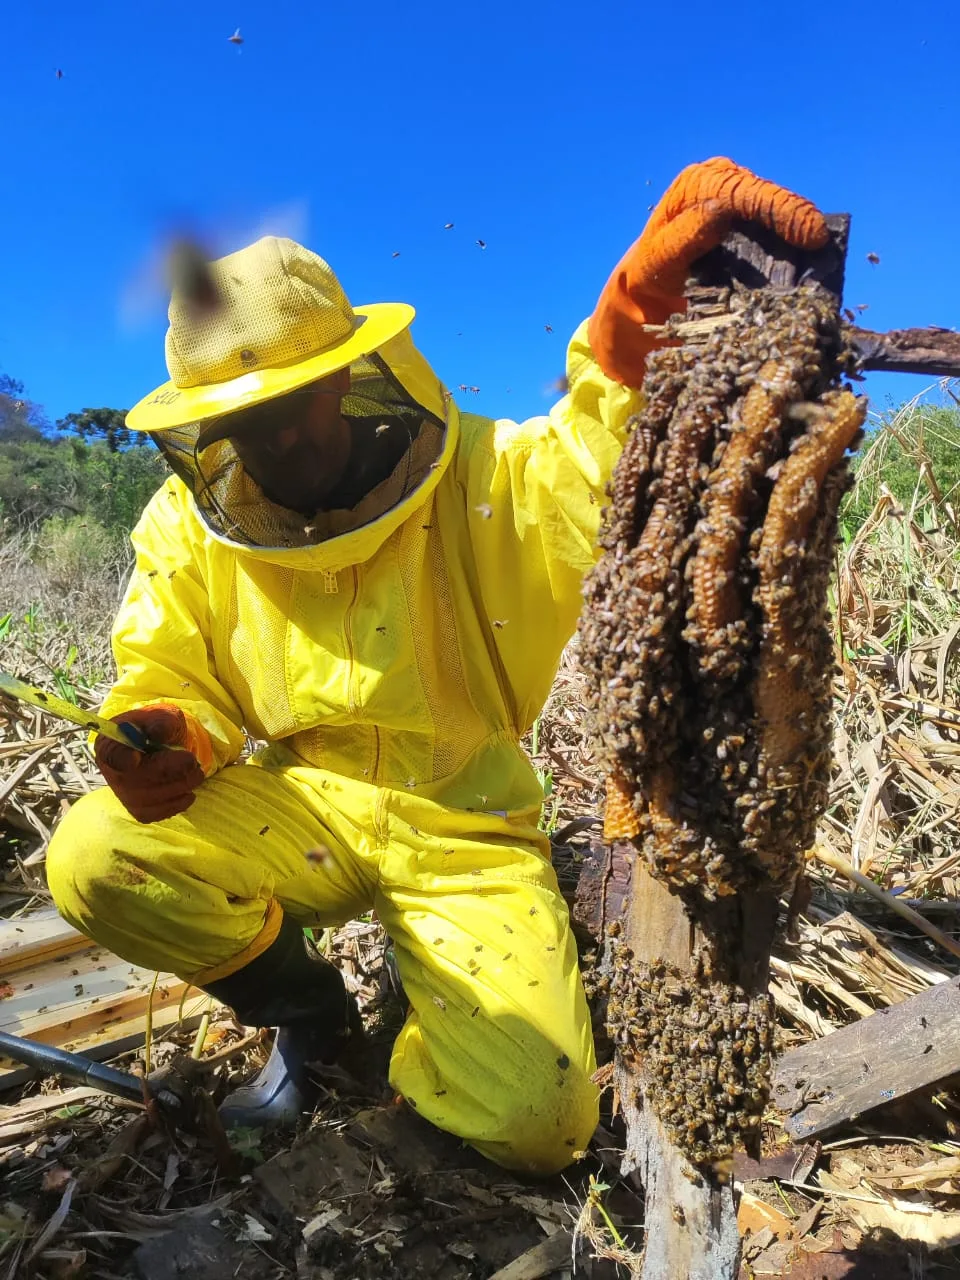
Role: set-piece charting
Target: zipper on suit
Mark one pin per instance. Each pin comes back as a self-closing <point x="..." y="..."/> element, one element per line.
<point x="352" y="700"/>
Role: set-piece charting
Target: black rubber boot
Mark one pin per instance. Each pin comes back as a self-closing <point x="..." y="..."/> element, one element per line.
<point x="290" y="987"/>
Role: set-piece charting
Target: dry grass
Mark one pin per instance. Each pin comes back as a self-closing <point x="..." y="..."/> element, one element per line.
<point x="61" y="589"/>
<point x="55" y="633"/>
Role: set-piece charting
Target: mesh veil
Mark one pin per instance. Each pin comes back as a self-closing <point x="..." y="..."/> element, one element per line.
<point x="234" y="506"/>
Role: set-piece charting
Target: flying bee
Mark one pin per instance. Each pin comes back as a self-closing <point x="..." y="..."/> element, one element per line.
<point x="236" y="38"/>
<point x="873" y="259"/>
<point x="482" y="244"/>
<point x="189" y="275"/>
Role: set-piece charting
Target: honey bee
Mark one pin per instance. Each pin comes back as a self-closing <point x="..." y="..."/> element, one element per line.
<point x="236" y="38"/>
<point x="873" y="259"/>
<point x="448" y="226"/>
<point x="482" y="244"/>
<point x="189" y="275"/>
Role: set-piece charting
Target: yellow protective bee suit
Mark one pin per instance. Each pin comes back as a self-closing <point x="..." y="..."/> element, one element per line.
<point x="392" y="668"/>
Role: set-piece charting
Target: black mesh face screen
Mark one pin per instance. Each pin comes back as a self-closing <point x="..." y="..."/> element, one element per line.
<point x="394" y="442"/>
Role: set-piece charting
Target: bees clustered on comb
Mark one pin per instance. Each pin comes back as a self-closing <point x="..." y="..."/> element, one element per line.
<point x="704" y="1048"/>
<point x="704" y="637"/>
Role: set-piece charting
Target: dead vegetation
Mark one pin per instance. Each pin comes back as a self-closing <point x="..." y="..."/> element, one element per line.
<point x="91" y="1189"/>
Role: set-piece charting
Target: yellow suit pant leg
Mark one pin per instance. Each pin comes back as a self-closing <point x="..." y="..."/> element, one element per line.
<point x="192" y="894"/>
<point x="498" y="1047"/>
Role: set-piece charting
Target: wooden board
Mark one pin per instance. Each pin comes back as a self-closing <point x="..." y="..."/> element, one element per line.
<point x="39" y="936"/>
<point x="59" y="988"/>
<point x="888" y="1055"/>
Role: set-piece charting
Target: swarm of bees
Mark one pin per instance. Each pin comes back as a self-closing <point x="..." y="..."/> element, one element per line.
<point x="703" y="1047"/>
<point x="709" y="665"/>
<point x="705" y="635"/>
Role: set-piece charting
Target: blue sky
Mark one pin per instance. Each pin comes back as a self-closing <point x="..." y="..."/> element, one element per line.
<point x="544" y="129"/>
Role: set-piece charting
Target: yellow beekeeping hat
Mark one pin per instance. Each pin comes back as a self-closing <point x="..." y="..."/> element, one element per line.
<point x="281" y="320"/>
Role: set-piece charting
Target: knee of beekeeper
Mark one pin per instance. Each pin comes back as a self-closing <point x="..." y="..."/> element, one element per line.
<point x="89" y="871"/>
<point x="548" y="1118"/>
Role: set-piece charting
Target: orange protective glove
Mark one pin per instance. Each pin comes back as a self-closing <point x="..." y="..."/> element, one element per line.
<point x="152" y="785"/>
<point x="694" y="216"/>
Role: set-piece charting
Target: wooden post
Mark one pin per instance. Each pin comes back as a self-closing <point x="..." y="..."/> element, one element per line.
<point x="690" y="1211"/>
<point x="690" y="1214"/>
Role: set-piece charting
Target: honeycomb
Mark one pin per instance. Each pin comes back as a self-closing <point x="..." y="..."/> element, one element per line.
<point x="709" y="663"/>
<point x="704" y="637"/>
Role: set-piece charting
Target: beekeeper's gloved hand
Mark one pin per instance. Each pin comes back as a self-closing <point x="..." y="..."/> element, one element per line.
<point x="157" y="784"/>
<point x="693" y="217"/>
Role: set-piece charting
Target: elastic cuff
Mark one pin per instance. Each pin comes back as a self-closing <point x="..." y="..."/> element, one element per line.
<point x="201" y="744"/>
<point x="264" y="939"/>
<point x="196" y="740"/>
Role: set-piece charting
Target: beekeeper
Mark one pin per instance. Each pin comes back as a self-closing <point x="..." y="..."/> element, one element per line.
<point x="379" y="587"/>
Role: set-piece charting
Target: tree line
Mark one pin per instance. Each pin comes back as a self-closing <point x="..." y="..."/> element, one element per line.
<point x="85" y="466"/>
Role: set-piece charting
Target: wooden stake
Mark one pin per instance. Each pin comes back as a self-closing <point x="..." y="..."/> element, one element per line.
<point x="890" y="900"/>
<point x="690" y="1214"/>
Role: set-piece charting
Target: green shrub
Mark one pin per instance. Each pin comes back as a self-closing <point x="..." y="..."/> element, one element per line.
<point x="915" y="454"/>
<point x="69" y="477"/>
